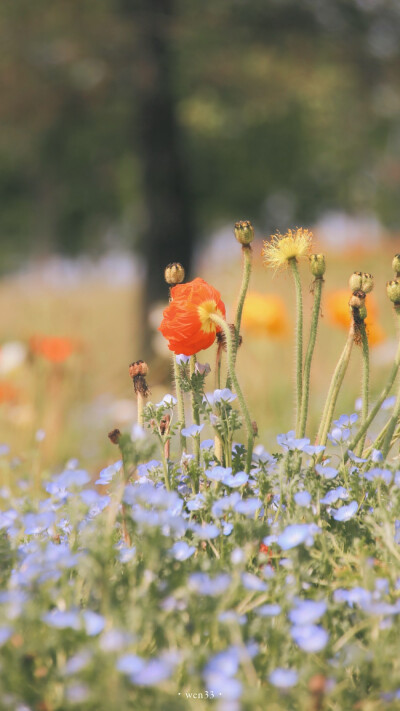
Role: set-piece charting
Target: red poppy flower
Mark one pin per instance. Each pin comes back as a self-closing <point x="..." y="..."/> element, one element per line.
<point x="186" y="324"/>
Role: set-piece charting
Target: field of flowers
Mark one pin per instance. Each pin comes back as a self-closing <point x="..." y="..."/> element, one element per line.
<point x="205" y="565"/>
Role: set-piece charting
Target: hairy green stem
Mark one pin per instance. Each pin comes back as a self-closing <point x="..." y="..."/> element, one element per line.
<point x="247" y="263"/>
<point x="299" y="341"/>
<point x="384" y="394"/>
<point x="309" y="355"/>
<point x="392" y="424"/>
<point x="195" y="413"/>
<point x="181" y="406"/>
<point x="336" y="383"/>
<point x="231" y="365"/>
<point x="365" y="386"/>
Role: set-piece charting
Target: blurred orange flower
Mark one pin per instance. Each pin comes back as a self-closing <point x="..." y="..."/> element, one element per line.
<point x="7" y="392"/>
<point x="55" y="349"/>
<point x="338" y="312"/>
<point x="186" y="324"/>
<point x="265" y="314"/>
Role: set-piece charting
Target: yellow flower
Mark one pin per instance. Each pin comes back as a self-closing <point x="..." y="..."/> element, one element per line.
<point x="265" y="315"/>
<point x="281" y="249"/>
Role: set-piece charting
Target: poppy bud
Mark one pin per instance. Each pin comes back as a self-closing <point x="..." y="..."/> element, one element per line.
<point x="139" y="367"/>
<point x="174" y="273"/>
<point x="244" y="232"/>
<point x="396" y="264"/>
<point x="357" y="300"/>
<point x="355" y="281"/>
<point x="317" y="265"/>
<point x="367" y="282"/>
<point x="114" y="436"/>
<point x="393" y="291"/>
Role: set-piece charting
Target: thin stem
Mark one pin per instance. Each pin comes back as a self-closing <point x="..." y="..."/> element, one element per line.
<point x="336" y="383"/>
<point x="392" y="424"/>
<point x="195" y="413"/>
<point x="247" y="263"/>
<point x="365" y="385"/>
<point x="140" y="406"/>
<point x="384" y="394"/>
<point x="181" y="406"/>
<point x="299" y="341"/>
<point x="309" y="355"/>
<point x="231" y="365"/>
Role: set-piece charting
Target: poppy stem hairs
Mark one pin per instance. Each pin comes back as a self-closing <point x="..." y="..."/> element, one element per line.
<point x="317" y="265"/>
<point x="219" y="321"/>
<point x="299" y="342"/>
<point x="244" y="233"/>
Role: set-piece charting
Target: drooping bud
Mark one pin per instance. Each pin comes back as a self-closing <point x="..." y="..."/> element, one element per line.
<point x="138" y="371"/>
<point x="355" y="281"/>
<point x="139" y="367"/>
<point x="357" y="300"/>
<point x="174" y="273"/>
<point x="393" y="291"/>
<point x="221" y="339"/>
<point x="317" y="265"/>
<point x="396" y="264"/>
<point x="244" y="232"/>
<point x="367" y="282"/>
<point x="114" y="436"/>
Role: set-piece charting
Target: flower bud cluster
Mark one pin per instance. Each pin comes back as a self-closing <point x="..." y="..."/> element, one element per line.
<point x="393" y="286"/>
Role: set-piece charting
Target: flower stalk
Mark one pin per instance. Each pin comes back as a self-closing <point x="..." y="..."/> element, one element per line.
<point x="299" y="342"/>
<point x="318" y="284"/>
<point x="365" y="385"/>
<point x="195" y="412"/>
<point x="180" y="402"/>
<point x="231" y="366"/>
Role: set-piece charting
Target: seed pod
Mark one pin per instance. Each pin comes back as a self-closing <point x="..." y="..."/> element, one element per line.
<point x="317" y="265"/>
<point x="355" y="281"/>
<point x="393" y="291"/>
<point x="114" y="436"/>
<point x="244" y="232"/>
<point x="174" y="273"/>
<point x="357" y="300"/>
<point x="139" y="367"/>
<point x="367" y="282"/>
<point x="396" y="264"/>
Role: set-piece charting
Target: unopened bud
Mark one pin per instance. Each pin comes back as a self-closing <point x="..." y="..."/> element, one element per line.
<point x="396" y="264"/>
<point x="317" y="265"/>
<point x="164" y="424"/>
<point x="174" y="273"/>
<point x="114" y="436"/>
<point x="393" y="291"/>
<point x="367" y="282"/>
<point x="244" y="232"/>
<point x="202" y="368"/>
<point x="221" y="339"/>
<point x="357" y="300"/>
<point x="355" y="281"/>
<point x="139" y="367"/>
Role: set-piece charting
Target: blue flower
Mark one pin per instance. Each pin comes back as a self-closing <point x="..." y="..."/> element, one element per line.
<point x="191" y="431"/>
<point x="326" y="472"/>
<point x="218" y="473"/>
<point x="389" y="402"/>
<point x="283" y="678"/>
<point x="203" y="584"/>
<point x="297" y="533"/>
<point x="339" y="435"/>
<point x="227" y="528"/>
<point x="168" y="401"/>
<point x="207" y="444"/>
<point x="345" y="513"/>
<point x="376" y="456"/>
<point x="5" y="634"/>
<point x="346" y="420"/>
<point x="302" y="498"/>
<point x="63" y="619"/>
<point x="252" y="582"/>
<point x="311" y="638"/>
<point x="289" y="442"/>
<point x="355" y="596"/>
<point x="307" y="612"/>
<point x="182" y="359"/>
<point x="106" y="475"/>
<point x="354" y="458"/>
<point x="226" y="663"/>
<point x="130" y="664"/>
<point x="376" y="473"/>
<point x="334" y="495"/>
<point x="234" y="481"/>
<point x="197" y="503"/>
<point x="94" y="623"/>
<point x="248" y="507"/>
<point x="181" y="550"/>
<point x="206" y="531"/>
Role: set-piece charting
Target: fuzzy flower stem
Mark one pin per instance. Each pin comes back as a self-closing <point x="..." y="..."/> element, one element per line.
<point x="140" y="407"/>
<point x="195" y="413"/>
<point x="247" y="264"/>
<point x="384" y="394"/>
<point x="231" y="365"/>
<point x="309" y="355"/>
<point x="392" y="424"/>
<point x="365" y="386"/>
<point x="336" y="383"/>
<point x="181" y="406"/>
<point x="299" y="339"/>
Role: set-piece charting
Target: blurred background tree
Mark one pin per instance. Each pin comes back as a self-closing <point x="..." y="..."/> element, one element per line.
<point x="148" y="123"/>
